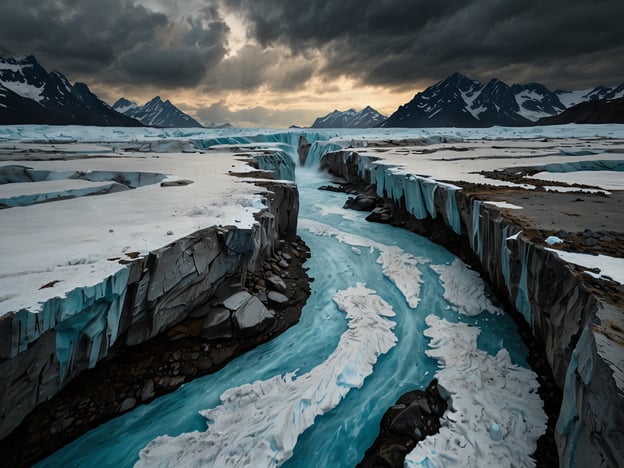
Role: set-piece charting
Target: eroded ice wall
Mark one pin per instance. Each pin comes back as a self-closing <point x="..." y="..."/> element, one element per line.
<point x="42" y="351"/>
<point x="570" y="321"/>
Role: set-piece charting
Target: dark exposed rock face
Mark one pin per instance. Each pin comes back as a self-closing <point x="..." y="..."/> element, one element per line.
<point x="413" y="417"/>
<point x="137" y="374"/>
<point x="565" y="318"/>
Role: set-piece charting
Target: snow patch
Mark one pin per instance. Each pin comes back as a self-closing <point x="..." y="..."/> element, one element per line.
<point x="612" y="267"/>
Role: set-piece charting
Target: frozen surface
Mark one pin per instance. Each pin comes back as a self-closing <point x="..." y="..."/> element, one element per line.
<point x="506" y="205"/>
<point x="258" y="424"/>
<point x="70" y="242"/>
<point x="464" y="289"/>
<point x="495" y="415"/>
<point x="608" y="180"/>
<point x="611" y="267"/>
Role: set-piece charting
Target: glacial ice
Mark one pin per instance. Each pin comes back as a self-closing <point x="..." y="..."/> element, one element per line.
<point x="495" y="415"/>
<point x="464" y="289"/>
<point x="258" y="424"/>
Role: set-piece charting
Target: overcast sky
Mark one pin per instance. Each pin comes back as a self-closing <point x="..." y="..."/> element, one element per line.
<point x="282" y="62"/>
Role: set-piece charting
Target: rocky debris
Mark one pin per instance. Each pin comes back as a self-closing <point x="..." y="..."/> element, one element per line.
<point x="252" y="318"/>
<point x="277" y="299"/>
<point x="362" y="203"/>
<point x="382" y="214"/>
<point x="413" y="417"/>
<point x="218" y="324"/>
<point x="332" y="188"/>
<point x="276" y="283"/>
<point x="97" y="395"/>
<point x="236" y="301"/>
<point x="147" y="392"/>
<point x="127" y="404"/>
<point x="176" y="183"/>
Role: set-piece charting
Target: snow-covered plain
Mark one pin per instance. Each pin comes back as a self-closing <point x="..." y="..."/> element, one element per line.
<point x="71" y="242"/>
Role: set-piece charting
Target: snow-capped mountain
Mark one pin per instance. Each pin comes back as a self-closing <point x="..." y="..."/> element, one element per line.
<point x="156" y="113"/>
<point x="594" y="111"/>
<point x="458" y="101"/>
<point x="31" y="95"/>
<point x="366" y="118"/>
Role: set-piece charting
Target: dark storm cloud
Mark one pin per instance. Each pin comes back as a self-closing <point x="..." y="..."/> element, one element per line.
<point x="394" y="42"/>
<point x="116" y="40"/>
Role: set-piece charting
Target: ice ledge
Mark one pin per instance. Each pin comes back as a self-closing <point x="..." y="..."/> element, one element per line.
<point x="551" y="298"/>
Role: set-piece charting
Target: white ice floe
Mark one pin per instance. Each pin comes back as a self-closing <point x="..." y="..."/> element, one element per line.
<point x="612" y="267"/>
<point x="258" y="424"/>
<point x="498" y="204"/>
<point x="495" y="415"/>
<point x="464" y="289"/>
<point x="398" y="266"/>
<point x="552" y="240"/>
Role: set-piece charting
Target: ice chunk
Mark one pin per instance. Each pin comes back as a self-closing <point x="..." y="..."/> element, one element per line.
<point x="495" y="415"/>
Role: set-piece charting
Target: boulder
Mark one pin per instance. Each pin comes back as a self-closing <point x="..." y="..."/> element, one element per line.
<point x="235" y="301"/>
<point x="361" y="203"/>
<point x="252" y="318"/>
<point x="277" y="298"/>
<point x="218" y="324"/>
<point x="275" y="283"/>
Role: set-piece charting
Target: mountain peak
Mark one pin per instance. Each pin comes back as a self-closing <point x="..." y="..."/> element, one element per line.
<point x="39" y="97"/>
<point x="156" y="113"/>
<point x="366" y="118"/>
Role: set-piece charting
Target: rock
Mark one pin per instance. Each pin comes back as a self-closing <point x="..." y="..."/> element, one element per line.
<point x="380" y="215"/>
<point x="563" y="234"/>
<point x="277" y="298"/>
<point x="287" y="256"/>
<point x="201" y="311"/>
<point x="147" y="392"/>
<point x="590" y="242"/>
<point x="392" y="455"/>
<point x="252" y="318"/>
<point x="127" y="404"/>
<point x="588" y="233"/>
<point x="218" y="324"/>
<point x="178" y="332"/>
<point x="283" y="264"/>
<point x="361" y="203"/>
<point x="275" y="283"/>
<point x="407" y="420"/>
<point x="607" y="238"/>
<point x="176" y="183"/>
<point x="235" y="301"/>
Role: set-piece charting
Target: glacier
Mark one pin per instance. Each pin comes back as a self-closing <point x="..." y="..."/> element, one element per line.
<point x="419" y="280"/>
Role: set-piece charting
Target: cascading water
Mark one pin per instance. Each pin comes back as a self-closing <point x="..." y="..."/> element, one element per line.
<point x="314" y="396"/>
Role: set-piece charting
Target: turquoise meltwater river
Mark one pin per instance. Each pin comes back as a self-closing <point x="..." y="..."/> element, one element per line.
<point x="314" y="396"/>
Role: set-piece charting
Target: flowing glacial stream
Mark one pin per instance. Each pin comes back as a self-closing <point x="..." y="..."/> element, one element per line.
<point x="389" y="310"/>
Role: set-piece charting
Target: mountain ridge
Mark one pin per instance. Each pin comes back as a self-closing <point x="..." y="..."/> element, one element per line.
<point x="458" y="101"/>
<point x="156" y="113"/>
<point x="31" y="95"/>
<point x="365" y="118"/>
